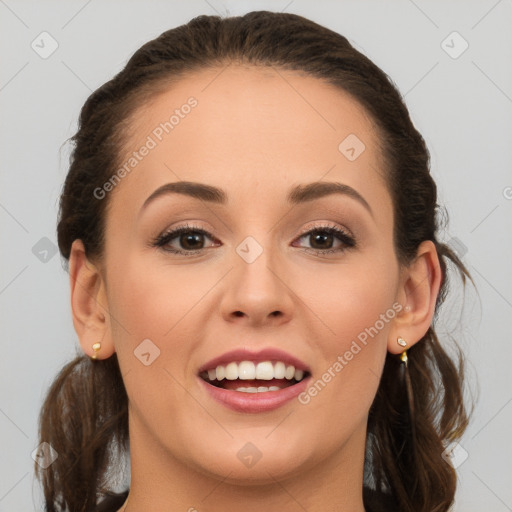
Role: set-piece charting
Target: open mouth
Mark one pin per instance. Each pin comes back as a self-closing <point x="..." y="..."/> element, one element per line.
<point x="250" y="377"/>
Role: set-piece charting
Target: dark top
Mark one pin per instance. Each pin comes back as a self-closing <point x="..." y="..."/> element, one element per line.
<point x="374" y="501"/>
<point x="112" y="502"/>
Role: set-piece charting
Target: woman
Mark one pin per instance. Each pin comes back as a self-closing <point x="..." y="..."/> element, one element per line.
<point x="251" y="229"/>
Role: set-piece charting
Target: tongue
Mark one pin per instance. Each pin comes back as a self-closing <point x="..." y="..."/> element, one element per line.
<point x="237" y="383"/>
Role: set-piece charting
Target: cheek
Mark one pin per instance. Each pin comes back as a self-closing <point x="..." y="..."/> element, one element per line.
<point x="359" y="310"/>
<point x="353" y="298"/>
<point x="161" y="303"/>
<point x="154" y="303"/>
<point x="151" y="299"/>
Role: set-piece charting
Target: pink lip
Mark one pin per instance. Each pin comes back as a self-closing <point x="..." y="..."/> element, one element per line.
<point x="255" y="402"/>
<point x="241" y="354"/>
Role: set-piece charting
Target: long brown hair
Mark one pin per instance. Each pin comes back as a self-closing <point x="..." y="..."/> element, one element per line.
<point x="85" y="414"/>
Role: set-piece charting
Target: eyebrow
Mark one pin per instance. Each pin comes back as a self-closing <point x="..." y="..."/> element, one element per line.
<point x="297" y="195"/>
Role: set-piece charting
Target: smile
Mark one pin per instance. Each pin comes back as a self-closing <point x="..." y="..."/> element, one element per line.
<point x="254" y="387"/>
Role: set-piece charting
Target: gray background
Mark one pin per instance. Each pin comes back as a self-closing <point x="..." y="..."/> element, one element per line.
<point x="462" y="106"/>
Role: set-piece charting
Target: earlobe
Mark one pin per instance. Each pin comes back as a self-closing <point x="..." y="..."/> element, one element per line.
<point x="419" y="289"/>
<point x="89" y="304"/>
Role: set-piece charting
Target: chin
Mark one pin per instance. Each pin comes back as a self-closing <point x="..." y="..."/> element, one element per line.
<point x="256" y="462"/>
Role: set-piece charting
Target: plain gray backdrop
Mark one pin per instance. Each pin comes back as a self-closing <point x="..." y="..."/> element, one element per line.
<point x="452" y="61"/>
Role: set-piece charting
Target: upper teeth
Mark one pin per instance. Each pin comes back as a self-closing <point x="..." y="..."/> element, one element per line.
<point x="247" y="370"/>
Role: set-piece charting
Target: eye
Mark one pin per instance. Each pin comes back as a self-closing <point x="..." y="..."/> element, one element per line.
<point x="327" y="239"/>
<point x="189" y="239"/>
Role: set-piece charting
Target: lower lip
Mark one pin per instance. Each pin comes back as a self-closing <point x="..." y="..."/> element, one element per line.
<point x="255" y="402"/>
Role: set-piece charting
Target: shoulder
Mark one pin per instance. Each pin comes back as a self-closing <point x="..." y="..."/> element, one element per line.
<point x="112" y="502"/>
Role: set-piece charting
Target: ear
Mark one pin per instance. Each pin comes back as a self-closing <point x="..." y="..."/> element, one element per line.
<point x="419" y="287"/>
<point x="89" y="303"/>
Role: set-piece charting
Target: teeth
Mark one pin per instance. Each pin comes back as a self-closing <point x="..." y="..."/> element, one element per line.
<point x="265" y="371"/>
<point x="247" y="370"/>
<point x="289" y="373"/>
<point x="279" y="370"/>
<point x="261" y="389"/>
<point x="231" y="371"/>
<point x="220" y="372"/>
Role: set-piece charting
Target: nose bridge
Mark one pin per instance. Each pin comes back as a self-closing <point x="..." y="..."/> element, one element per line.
<point x="253" y="270"/>
<point x="256" y="291"/>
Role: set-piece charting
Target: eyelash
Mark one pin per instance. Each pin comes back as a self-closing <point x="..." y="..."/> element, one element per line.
<point x="162" y="240"/>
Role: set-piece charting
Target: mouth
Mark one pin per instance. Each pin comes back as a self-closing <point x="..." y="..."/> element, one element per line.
<point x="254" y="382"/>
<point x="254" y="376"/>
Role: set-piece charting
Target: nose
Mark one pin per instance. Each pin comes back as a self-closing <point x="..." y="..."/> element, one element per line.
<point x="257" y="293"/>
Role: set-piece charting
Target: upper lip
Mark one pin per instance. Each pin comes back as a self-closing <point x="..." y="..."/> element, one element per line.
<point x="242" y="354"/>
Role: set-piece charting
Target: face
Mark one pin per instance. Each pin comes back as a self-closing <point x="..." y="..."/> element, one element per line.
<point x="312" y="275"/>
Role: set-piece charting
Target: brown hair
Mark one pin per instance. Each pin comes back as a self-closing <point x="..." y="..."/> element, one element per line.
<point x="85" y="414"/>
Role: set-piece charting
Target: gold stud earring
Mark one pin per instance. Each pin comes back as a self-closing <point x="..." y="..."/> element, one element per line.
<point x="96" y="347"/>
<point x="401" y="341"/>
<point x="406" y="383"/>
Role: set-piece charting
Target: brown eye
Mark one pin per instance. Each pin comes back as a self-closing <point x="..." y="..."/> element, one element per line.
<point x="191" y="241"/>
<point x="327" y="239"/>
<point x="321" y="240"/>
<point x="185" y="240"/>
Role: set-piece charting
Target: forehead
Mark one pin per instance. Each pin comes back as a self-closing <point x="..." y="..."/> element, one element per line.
<point x="253" y="129"/>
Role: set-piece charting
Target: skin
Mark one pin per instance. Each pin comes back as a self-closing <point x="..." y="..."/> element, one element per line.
<point x="255" y="133"/>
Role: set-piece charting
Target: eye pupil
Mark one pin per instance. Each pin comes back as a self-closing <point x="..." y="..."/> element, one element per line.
<point x="187" y="240"/>
<point x="322" y="237"/>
